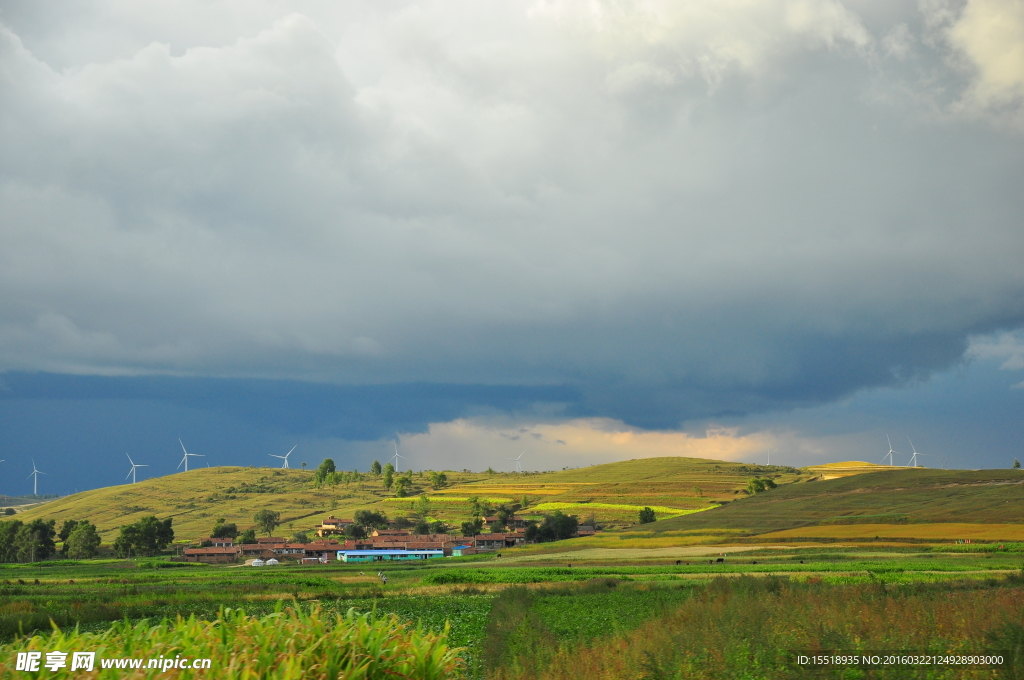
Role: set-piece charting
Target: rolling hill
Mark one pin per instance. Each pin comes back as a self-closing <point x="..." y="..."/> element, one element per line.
<point x="904" y="496"/>
<point x="614" y="492"/>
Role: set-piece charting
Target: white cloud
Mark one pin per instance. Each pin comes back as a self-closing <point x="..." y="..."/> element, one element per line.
<point x="1006" y="347"/>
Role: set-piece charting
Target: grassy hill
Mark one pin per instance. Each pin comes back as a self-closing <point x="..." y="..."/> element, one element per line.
<point x="197" y="498"/>
<point x="614" y="492"/>
<point x="889" y="497"/>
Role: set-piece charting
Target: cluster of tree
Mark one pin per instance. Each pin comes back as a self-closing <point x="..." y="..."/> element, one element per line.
<point x="438" y="480"/>
<point x="647" y="515"/>
<point x="759" y="484"/>
<point x="80" y="537"/>
<point x="27" y="541"/>
<point x="328" y="475"/>
<point x="147" y="537"/>
<point x="10" y="511"/>
<point x="555" y="527"/>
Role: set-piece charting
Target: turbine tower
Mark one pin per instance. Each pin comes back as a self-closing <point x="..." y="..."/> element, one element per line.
<point x="284" y="457"/>
<point x="889" y="455"/>
<point x="131" y="473"/>
<point x="519" y="468"/>
<point x="187" y="454"/>
<point x="35" y="475"/>
<point x="397" y="455"/>
<point x="913" y="459"/>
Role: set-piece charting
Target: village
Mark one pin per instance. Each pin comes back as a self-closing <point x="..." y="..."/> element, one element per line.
<point x="379" y="545"/>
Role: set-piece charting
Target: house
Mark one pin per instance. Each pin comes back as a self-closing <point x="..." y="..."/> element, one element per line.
<point x="212" y="555"/>
<point x="289" y="549"/>
<point x="387" y="555"/>
<point x="462" y="550"/>
<point x="251" y="549"/>
<point x="332" y="526"/>
<point x="389" y="532"/>
<point x="217" y="542"/>
<point x="515" y="522"/>
<point x="486" y="542"/>
<point x="270" y="541"/>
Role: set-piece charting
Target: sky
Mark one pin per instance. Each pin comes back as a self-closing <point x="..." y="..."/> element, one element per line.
<point x="573" y="231"/>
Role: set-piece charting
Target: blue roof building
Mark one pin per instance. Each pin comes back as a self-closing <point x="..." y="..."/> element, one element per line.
<point x="387" y="555"/>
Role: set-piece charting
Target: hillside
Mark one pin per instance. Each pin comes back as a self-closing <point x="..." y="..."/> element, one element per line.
<point x="197" y="498"/>
<point x="614" y="492"/>
<point x="889" y="497"/>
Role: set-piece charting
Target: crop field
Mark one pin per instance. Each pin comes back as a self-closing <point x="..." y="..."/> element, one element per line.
<point x="929" y="532"/>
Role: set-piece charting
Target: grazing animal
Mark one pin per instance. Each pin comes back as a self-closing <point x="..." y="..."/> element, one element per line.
<point x="754" y="562"/>
<point x="720" y="559"/>
<point x="678" y="562"/>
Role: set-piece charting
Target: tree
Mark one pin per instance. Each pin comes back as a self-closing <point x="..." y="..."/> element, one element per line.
<point x="647" y="516"/>
<point x="759" y="485"/>
<point x="438" y="480"/>
<point x="389" y="476"/>
<point x="555" y="527"/>
<point x="497" y="527"/>
<point x="421" y="527"/>
<point x="148" y="536"/>
<point x="356" y="531"/>
<point x="1016" y="464"/>
<point x="224" y="529"/>
<point x="300" y="537"/>
<point x="326" y="468"/>
<point x="34" y="541"/>
<point x="490" y="470"/>
<point x="423" y="506"/>
<point x="267" y="520"/>
<point x="375" y="469"/>
<point x="83" y="541"/>
<point x="65" y="532"/>
<point x="402" y="486"/>
<point x="371" y="520"/>
<point x="472" y="527"/>
<point x="247" y="537"/>
<point x="439" y="527"/>
<point x="8" y="535"/>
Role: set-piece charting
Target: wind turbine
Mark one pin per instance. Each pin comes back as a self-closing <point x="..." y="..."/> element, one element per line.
<point x="187" y="454"/>
<point x="913" y="459"/>
<point x="284" y="457"/>
<point x="35" y="475"/>
<point x="131" y="473"/>
<point x="396" y="456"/>
<point x="519" y="468"/>
<point x="889" y="455"/>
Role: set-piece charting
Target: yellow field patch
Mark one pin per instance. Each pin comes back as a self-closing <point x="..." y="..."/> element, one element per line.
<point x="660" y="509"/>
<point x="938" y="532"/>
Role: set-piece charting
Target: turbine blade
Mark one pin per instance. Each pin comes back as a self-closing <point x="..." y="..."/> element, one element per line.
<point x="182" y="446"/>
<point x="129" y="474"/>
<point x="290" y="452"/>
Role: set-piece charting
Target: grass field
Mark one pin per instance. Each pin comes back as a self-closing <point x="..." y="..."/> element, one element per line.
<point x="926" y="532"/>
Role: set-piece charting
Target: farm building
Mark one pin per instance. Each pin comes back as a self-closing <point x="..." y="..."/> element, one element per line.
<point x="332" y="525"/>
<point x="387" y="555"/>
<point x="462" y="550"/>
<point x="212" y="555"/>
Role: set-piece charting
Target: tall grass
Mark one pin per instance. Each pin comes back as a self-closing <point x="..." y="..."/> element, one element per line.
<point x="748" y="628"/>
<point x="288" y="644"/>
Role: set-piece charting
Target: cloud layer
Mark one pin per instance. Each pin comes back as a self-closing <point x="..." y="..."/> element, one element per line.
<point x="674" y="210"/>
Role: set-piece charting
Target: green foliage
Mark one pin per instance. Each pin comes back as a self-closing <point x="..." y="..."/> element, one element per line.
<point x="389" y="475"/>
<point x="247" y="537"/>
<point x="439" y="527"/>
<point x="355" y="531"/>
<point x="290" y="644"/>
<point x="402" y="486"/>
<point x="371" y="519"/>
<point x="555" y="527"/>
<point x="647" y="515"/>
<point x="497" y="527"/>
<point x="1016" y="464"/>
<point x="760" y="485"/>
<point x="375" y="468"/>
<point x="438" y="480"/>
<point x="326" y="468"/>
<point x="27" y="542"/>
<point x="146" y="537"/>
<point x="300" y="537"/>
<point x="421" y="528"/>
<point x="83" y="542"/>
<point x="268" y="520"/>
<point x="224" y="529"/>
<point x="472" y="527"/>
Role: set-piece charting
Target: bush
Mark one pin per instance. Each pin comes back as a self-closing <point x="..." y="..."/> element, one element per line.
<point x="647" y="516"/>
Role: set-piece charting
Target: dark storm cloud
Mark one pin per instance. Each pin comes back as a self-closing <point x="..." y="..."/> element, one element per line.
<point x="664" y="210"/>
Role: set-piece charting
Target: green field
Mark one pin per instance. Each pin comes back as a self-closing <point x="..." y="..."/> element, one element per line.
<point x="801" y="569"/>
